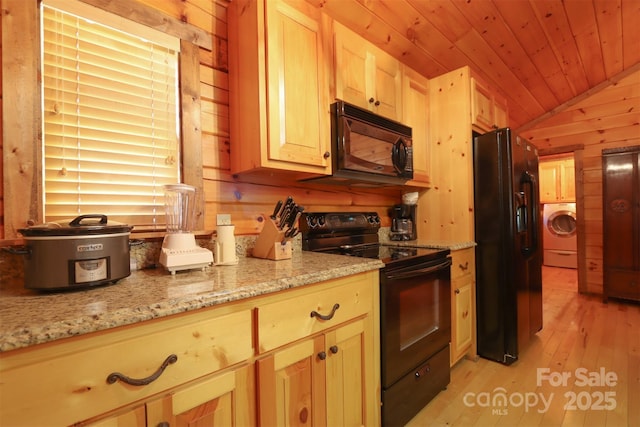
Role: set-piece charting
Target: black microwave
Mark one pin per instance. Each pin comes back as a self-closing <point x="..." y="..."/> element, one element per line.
<point x="368" y="147"/>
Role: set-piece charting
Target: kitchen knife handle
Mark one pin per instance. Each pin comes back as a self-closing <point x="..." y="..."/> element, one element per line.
<point x="276" y="210"/>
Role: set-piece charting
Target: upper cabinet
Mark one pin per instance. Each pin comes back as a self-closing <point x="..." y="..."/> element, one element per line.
<point x="488" y="109"/>
<point x="279" y="91"/>
<point x="415" y="94"/>
<point x="557" y="181"/>
<point x="367" y="76"/>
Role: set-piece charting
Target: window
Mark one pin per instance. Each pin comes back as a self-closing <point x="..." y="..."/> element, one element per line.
<point x="110" y="119"/>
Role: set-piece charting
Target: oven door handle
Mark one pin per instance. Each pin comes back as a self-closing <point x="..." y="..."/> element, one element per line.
<point x="406" y="273"/>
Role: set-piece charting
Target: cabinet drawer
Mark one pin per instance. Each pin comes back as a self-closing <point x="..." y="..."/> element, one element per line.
<point x="462" y="262"/>
<point x="63" y="383"/>
<point x="288" y="320"/>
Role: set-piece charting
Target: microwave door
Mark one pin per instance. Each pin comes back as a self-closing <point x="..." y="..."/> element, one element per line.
<point x="369" y="149"/>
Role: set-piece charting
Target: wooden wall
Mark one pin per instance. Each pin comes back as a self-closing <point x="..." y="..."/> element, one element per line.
<point x="609" y="118"/>
<point x="247" y="202"/>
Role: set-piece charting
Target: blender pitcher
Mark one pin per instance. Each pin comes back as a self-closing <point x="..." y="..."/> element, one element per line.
<point x="179" y="205"/>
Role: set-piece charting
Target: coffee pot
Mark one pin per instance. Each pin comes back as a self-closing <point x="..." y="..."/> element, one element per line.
<point x="403" y="222"/>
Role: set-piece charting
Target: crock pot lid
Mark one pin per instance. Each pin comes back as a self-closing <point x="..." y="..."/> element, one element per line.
<point x="82" y="225"/>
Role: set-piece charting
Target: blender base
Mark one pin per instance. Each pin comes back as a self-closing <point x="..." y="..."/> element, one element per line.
<point x="180" y="252"/>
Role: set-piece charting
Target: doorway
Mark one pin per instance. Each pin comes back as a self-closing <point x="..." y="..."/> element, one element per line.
<point x="561" y="181"/>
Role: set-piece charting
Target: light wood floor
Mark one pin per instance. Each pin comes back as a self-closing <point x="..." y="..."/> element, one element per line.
<point x="579" y="332"/>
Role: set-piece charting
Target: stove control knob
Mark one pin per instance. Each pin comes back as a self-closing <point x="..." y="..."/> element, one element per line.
<point x="312" y="221"/>
<point x="321" y="221"/>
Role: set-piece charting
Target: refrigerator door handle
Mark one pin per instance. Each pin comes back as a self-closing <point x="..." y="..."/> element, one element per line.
<point x="529" y="181"/>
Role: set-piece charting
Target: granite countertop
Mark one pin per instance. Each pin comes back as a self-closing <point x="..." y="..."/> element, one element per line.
<point x="433" y="244"/>
<point x="29" y="317"/>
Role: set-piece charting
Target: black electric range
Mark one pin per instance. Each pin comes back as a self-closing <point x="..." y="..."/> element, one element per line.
<point x="356" y="234"/>
<point x="415" y="307"/>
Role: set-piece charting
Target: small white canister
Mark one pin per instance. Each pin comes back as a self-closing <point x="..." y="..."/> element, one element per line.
<point x="225" y="253"/>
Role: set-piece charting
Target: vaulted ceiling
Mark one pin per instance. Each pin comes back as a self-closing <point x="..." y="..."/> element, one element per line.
<point x="542" y="54"/>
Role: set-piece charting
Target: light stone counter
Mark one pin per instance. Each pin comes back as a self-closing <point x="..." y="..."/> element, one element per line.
<point x="432" y="244"/>
<point x="30" y="317"/>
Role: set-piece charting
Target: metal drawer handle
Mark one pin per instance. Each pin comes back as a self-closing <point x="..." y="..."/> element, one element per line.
<point x="327" y="316"/>
<point x="464" y="267"/>
<point x="112" y="378"/>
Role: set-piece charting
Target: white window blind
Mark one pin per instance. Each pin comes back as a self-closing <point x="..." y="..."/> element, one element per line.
<point x="110" y="122"/>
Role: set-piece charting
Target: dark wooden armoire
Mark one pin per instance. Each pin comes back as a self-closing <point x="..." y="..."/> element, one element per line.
<point x="621" y="221"/>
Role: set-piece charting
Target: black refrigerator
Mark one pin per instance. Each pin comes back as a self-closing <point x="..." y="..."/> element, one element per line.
<point x="509" y="247"/>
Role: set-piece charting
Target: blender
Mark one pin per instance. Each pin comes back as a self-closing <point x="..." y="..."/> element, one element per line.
<point x="179" y="248"/>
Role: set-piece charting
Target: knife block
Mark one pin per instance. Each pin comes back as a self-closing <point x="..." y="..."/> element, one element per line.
<point x="269" y="243"/>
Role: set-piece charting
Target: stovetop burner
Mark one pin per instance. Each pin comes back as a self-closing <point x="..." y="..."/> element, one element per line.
<point x="383" y="252"/>
<point x="355" y="234"/>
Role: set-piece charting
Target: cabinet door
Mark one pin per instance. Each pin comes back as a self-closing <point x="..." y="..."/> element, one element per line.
<point x="367" y="76"/>
<point x="416" y="115"/>
<point x="387" y="92"/>
<point x="500" y="112"/>
<point x="292" y="385"/>
<point x="345" y="349"/>
<point x="298" y="114"/>
<point x="222" y="400"/>
<point x="621" y="215"/>
<point x="549" y="178"/>
<point x="462" y="315"/>
<point x="481" y="105"/>
<point x="568" y="181"/>
<point x="353" y="60"/>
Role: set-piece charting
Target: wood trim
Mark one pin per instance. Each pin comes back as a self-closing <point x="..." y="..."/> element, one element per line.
<point x="581" y="238"/>
<point x="22" y="118"/>
<point x="620" y="150"/>
<point x="190" y="107"/>
<point x="155" y="19"/>
<point x="560" y="150"/>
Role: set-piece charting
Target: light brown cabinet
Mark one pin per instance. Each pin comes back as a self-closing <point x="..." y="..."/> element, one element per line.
<point x="324" y="369"/>
<point x="367" y="76"/>
<point x="446" y="209"/>
<point x="46" y="381"/>
<point x="266" y="352"/>
<point x="488" y="109"/>
<point x="415" y="95"/>
<point x="278" y="87"/>
<point x="557" y="180"/>
<point x="220" y="400"/>
<point x="320" y="380"/>
<point x="463" y="304"/>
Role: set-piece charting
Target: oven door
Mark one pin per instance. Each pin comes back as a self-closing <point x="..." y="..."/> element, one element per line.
<point x="415" y="315"/>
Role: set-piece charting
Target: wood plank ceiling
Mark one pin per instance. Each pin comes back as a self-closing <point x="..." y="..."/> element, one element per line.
<point x="541" y="54"/>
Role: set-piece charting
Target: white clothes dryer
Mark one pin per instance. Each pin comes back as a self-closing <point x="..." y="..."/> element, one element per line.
<point x="559" y="236"/>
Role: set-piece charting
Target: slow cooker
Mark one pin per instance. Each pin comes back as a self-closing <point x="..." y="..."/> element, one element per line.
<point x="86" y="251"/>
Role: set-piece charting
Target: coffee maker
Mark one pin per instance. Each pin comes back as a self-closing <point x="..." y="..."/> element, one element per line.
<point x="403" y="222"/>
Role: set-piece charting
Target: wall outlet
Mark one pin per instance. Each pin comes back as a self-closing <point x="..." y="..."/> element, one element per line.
<point x="223" y="219"/>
